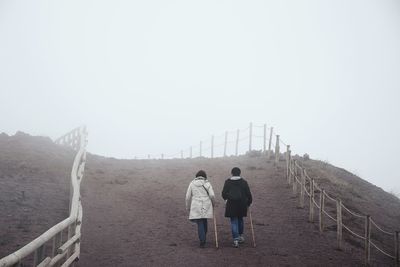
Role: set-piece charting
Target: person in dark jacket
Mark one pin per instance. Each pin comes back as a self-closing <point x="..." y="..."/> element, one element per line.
<point x="238" y="198"/>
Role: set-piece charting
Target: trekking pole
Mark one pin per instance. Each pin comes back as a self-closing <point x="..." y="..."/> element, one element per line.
<point x="252" y="228"/>
<point x="215" y="231"/>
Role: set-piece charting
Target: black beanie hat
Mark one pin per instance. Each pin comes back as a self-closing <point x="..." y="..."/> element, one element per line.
<point x="235" y="171"/>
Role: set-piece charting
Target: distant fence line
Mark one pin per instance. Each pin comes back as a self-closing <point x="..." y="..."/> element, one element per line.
<point x="60" y="245"/>
<point x="297" y="176"/>
<point x="229" y="143"/>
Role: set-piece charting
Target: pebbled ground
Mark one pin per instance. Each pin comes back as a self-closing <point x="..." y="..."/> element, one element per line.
<point x="135" y="216"/>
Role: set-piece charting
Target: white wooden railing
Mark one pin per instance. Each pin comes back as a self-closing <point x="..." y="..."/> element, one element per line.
<point x="60" y="245"/>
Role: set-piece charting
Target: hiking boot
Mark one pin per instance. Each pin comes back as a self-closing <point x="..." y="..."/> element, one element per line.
<point x="236" y="243"/>
<point x="241" y="239"/>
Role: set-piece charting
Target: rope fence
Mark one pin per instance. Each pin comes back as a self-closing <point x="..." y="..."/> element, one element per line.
<point x="297" y="176"/>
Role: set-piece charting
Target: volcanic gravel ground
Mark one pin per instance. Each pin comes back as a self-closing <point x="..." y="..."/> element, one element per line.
<point x="134" y="215"/>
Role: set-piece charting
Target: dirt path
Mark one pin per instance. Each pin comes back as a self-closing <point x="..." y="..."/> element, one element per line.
<point x="134" y="215"/>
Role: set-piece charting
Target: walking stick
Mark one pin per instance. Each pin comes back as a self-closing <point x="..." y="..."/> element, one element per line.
<point x="252" y="229"/>
<point x="215" y="231"/>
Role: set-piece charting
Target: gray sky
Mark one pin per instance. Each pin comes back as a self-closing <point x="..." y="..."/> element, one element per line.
<point x="158" y="76"/>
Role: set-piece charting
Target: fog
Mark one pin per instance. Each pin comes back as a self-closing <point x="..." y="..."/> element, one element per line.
<point x="152" y="77"/>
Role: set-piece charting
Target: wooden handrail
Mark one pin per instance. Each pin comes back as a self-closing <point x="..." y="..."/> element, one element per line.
<point x="76" y="139"/>
<point x="36" y="243"/>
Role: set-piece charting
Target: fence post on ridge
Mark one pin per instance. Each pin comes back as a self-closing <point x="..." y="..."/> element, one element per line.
<point x="312" y="200"/>
<point x="250" y="135"/>
<point x="201" y="145"/>
<point x="303" y="187"/>
<point x="270" y="142"/>
<point x="367" y="238"/>
<point x="277" y="149"/>
<point x="295" y="188"/>
<point x="292" y="169"/>
<point x="339" y="229"/>
<point x="181" y="154"/>
<point x="226" y="141"/>
<point x="265" y="138"/>
<point x="397" y="249"/>
<point x="321" y="210"/>
<point x="212" y="146"/>
<point x="237" y="142"/>
<point x="288" y="159"/>
<point x="191" y="152"/>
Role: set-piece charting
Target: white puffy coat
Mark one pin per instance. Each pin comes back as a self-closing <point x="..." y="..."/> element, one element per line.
<point x="200" y="203"/>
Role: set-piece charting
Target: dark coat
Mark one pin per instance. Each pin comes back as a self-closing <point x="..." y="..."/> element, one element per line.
<point x="238" y="196"/>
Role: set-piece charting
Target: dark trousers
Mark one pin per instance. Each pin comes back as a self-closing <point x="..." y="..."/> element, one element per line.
<point x="201" y="229"/>
<point x="236" y="227"/>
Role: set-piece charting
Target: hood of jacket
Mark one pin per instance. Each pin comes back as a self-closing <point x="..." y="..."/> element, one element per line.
<point x="199" y="181"/>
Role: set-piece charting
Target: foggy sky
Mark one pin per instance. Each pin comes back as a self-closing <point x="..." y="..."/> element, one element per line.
<point x="152" y="77"/>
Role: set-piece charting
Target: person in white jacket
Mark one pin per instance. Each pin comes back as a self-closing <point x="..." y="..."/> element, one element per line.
<point x="200" y="200"/>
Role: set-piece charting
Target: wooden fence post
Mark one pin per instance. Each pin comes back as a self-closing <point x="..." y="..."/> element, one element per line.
<point x="288" y="164"/>
<point x="237" y="142"/>
<point x="367" y="238"/>
<point x="162" y="156"/>
<point x="321" y="210"/>
<point x="212" y="146"/>
<point x="270" y="142"/>
<point x="225" y="143"/>
<point x="295" y="188"/>
<point x="250" y="135"/>
<point x="293" y="170"/>
<point x="397" y="249"/>
<point x="38" y="255"/>
<point x="54" y="245"/>
<point x="71" y="233"/>
<point x="303" y="188"/>
<point x="181" y="154"/>
<point x="265" y="138"/>
<point x="191" y="152"/>
<point x="339" y="222"/>
<point x="312" y="200"/>
<point x="277" y="149"/>
<point x="201" y="146"/>
<point x="287" y="161"/>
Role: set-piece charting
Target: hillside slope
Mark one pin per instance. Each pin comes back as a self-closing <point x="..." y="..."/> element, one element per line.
<point x="34" y="188"/>
<point x="134" y="210"/>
